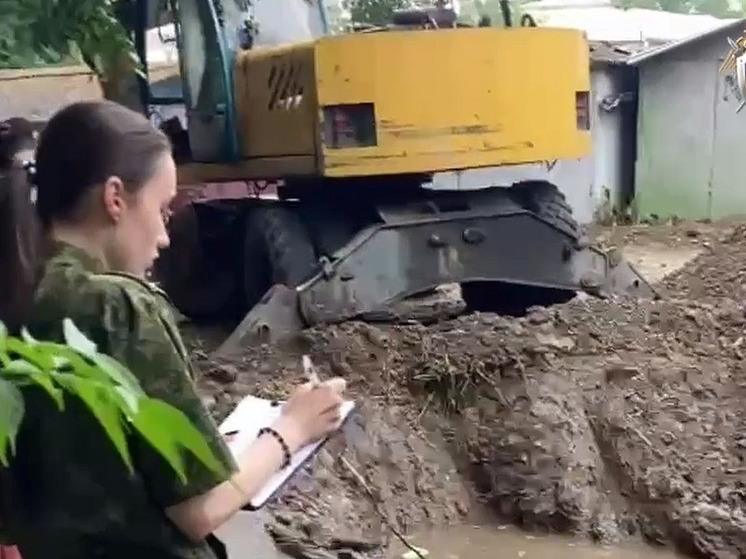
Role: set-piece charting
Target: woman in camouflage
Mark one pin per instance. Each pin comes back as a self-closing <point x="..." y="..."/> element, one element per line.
<point x="104" y="180"/>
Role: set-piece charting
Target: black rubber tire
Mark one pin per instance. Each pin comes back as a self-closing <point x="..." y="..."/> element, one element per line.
<point x="277" y="249"/>
<point x="546" y="201"/>
<point x="510" y="300"/>
<point x="187" y="274"/>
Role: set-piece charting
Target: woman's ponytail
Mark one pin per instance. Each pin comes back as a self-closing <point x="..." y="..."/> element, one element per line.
<point x="20" y="230"/>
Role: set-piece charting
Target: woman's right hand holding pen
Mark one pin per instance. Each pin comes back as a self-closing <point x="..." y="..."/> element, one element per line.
<point x="311" y="412"/>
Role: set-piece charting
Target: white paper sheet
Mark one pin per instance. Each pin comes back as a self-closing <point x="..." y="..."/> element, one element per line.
<point x="249" y="416"/>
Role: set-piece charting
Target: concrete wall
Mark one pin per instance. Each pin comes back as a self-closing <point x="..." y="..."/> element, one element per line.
<point x="36" y="94"/>
<point x="583" y="181"/>
<point x="690" y="141"/>
<point x="613" y="131"/>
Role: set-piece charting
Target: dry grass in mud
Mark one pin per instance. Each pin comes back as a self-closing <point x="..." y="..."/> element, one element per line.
<point x="612" y="419"/>
<point x="450" y="384"/>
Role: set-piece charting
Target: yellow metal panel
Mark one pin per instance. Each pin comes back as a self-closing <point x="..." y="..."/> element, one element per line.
<point x="457" y="99"/>
<point x="255" y="168"/>
<point x="276" y="102"/>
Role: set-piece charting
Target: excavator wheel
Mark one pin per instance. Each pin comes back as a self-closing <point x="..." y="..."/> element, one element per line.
<point x="546" y="201"/>
<point x="510" y="299"/>
<point x="277" y="250"/>
<point x="186" y="273"/>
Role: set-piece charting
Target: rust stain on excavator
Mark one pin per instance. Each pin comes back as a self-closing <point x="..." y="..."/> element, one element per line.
<point x="410" y="131"/>
<point x="487" y="148"/>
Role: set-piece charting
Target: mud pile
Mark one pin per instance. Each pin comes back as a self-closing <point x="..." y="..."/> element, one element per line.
<point x="405" y="474"/>
<point x="605" y="418"/>
<point x="720" y="272"/>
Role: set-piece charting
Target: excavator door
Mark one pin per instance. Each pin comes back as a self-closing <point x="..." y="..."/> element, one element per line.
<point x="202" y="94"/>
<point x="205" y="66"/>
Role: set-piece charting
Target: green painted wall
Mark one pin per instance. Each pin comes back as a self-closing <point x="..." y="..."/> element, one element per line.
<point x="674" y="139"/>
<point x="690" y="140"/>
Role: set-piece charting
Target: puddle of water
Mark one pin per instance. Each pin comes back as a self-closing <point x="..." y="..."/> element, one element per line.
<point x="489" y="542"/>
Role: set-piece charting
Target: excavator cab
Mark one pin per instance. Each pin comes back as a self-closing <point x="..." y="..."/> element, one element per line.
<point x="207" y="36"/>
<point x="267" y="92"/>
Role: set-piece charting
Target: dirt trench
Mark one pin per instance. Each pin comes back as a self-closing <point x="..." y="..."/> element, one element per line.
<point x="611" y="419"/>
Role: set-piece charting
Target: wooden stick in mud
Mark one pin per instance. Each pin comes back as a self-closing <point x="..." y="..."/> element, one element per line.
<point x="371" y="495"/>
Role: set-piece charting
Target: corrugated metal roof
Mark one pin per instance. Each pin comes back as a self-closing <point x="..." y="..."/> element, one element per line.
<point x="657" y="51"/>
<point x="608" y="23"/>
<point x="614" y="52"/>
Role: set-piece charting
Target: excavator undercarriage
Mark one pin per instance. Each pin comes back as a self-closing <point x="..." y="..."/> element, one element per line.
<point x="292" y="265"/>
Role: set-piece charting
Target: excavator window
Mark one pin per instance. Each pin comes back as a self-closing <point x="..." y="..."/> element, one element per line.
<point x="194" y="105"/>
<point x="288" y="21"/>
<point x="205" y="70"/>
<point x="192" y="51"/>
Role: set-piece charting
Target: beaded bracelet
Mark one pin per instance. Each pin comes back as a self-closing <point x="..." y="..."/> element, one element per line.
<point x="279" y="439"/>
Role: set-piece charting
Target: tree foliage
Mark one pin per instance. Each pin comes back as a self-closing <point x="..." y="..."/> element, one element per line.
<point x="112" y="394"/>
<point x="50" y="30"/>
<point x="492" y="10"/>
<point x="42" y="32"/>
<point x="374" y="12"/>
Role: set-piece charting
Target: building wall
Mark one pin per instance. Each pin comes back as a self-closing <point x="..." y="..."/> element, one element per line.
<point x="38" y="93"/>
<point x="613" y="130"/>
<point x="690" y="162"/>
<point x="584" y="181"/>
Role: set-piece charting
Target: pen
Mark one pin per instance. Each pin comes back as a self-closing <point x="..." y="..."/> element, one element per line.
<point x="309" y="369"/>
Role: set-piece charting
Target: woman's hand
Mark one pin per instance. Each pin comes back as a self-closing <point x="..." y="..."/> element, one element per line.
<point x="312" y="411"/>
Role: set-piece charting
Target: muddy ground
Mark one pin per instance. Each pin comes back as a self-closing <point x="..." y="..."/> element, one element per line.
<point x="612" y="419"/>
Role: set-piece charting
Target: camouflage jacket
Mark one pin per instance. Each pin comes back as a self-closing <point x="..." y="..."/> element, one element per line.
<point x="76" y="498"/>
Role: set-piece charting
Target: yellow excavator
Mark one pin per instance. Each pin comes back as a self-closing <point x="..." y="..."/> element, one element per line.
<point x="349" y="129"/>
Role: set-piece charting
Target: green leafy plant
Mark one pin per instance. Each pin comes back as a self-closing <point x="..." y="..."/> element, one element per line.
<point x="375" y="12"/>
<point x="44" y="32"/>
<point x="87" y="30"/>
<point x="109" y="390"/>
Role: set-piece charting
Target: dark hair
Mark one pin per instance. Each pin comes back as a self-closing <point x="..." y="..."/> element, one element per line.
<point x="80" y="147"/>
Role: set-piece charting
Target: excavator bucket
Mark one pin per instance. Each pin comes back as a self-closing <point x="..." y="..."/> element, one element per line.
<point x="274" y="318"/>
<point x="624" y="278"/>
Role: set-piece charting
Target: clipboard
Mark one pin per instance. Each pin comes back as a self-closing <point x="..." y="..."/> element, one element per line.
<point x="248" y="417"/>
